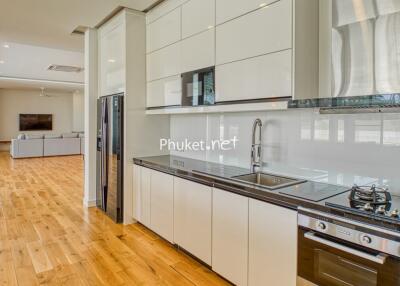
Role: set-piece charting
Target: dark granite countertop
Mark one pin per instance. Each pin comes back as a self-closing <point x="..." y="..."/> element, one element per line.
<point x="220" y="176"/>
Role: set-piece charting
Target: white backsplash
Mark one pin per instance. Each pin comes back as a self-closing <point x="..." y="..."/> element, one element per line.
<point x="337" y="149"/>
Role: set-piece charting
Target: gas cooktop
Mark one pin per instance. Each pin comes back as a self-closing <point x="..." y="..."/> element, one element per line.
<point x="368" y="200"/>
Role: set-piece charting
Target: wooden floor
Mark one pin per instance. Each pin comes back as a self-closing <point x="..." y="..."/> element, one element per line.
<point x="48" y="238"/>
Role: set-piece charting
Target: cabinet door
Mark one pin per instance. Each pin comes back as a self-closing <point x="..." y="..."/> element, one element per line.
<point x="261" y="32"/>
<point x="229" y="9"/>
<point x="197" y="16"/>
<point x="230" y="236"/>
<point x="136" y="194"/>
<point x="164" y="63"/>
<point x="261" y="77"/>
<point x="272" y="245"/>
<point x="162" y="205"/>
<point x="112" y="57"/>
<point x="192" y="218"/>
<point x="164" y="31"/>
<point x="164" y="92"/>
<point x="144" y="196"/>
<point x="198" y="51"/>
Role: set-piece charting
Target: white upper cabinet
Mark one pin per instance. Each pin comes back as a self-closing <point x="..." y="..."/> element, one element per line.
<point x="164" y="63"/>
<point x="266" y="76"/>
<point x="263" y="31"/>
<point x="229" y="9"/>
<point x="164" y="92"/>
<point x="197" y="16"/>
<point x="164" y="31"/>
<point x="230" y="236"/>
<point x="112" y="57"/>
<point x="164" y="8"/>
<point x="272" y="245"/>
<point x="162" y="205"/>
<point x="198" y="51"/>
<point x="192" y="218"/>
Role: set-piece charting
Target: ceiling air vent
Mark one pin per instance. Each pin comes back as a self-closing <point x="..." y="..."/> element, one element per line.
<point x="64" y="68"/>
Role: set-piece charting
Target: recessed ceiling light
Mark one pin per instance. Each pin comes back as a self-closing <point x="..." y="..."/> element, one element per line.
<point x="6" y="46"/>
<point x="2" y="62"/>
<point x="263" y="5"/>
<point x="111" y="60"/>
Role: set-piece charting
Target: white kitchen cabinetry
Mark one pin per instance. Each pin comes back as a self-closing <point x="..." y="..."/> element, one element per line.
<point x="112" y="57"/>
<point x="162" y="205"/>
<point x="164" y="63"/>
<point x="263" y="31"/>
<point x="229" y="9"/>
<point x="272" y="245"/>
<point x="164" y="31"/>
<point x="230" y="236"/>
<point x="198" y="51"/>
<point x="164" y="92"/>
<point x="197" y="16"/>
<point x="266" y="76"/>
<point x="143" y="196"/>
<point x="192" y="218"/>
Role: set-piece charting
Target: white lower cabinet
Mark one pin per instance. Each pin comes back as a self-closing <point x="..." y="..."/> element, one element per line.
<point x="162" y="205"/>
<point x="230" y="236"/>
<point x="272" y="245"/>
<point x="192" y="218"/>
<point x="143" y="197"/>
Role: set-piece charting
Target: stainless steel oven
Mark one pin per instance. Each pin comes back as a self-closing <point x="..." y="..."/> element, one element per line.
<point x="334" y="251"/>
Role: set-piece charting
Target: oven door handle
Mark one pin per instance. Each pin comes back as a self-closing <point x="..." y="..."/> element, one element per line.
<point x="380" y="258"/>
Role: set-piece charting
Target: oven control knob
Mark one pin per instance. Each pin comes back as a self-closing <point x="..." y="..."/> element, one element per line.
<point x="395" y="213"/>
<point x="366" y="239"/>
<point x="321" y="226"/>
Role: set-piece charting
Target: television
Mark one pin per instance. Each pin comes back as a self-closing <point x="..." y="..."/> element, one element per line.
<point x="32" y="122"/>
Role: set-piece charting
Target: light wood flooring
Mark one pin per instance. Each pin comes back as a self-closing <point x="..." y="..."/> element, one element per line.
<point x="47" y="237"/>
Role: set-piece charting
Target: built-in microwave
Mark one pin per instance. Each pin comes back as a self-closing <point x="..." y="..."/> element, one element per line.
<point x="198" y="87"/>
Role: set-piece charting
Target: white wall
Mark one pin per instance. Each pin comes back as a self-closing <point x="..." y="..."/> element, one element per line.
<point x="14" y="102"/>
<point x="78" y="111"/>
<point x="338" y="149"/>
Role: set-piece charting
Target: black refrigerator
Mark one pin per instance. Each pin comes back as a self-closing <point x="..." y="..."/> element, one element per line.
<point x="109" y="193"/>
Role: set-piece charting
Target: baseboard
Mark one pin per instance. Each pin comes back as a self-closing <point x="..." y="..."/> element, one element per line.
<point x="89" y="204"/>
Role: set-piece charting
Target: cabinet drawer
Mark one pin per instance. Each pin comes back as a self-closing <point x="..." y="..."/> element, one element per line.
<point x="164" y="63"/>
<point x="198" y="51"/>
<point x="229" y="9"/>
<point x="264" y="31"/>
<point x="164" y="92"/>
<point x="197" y="16"/>
<point x="266" y="76"/>
<point x="164" y="31"/>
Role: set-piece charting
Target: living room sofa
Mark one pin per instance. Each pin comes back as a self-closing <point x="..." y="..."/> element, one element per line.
<point x="26" y="146"/>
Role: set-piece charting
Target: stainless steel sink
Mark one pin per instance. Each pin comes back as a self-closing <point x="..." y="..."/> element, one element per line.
<point x="268" y="181"/>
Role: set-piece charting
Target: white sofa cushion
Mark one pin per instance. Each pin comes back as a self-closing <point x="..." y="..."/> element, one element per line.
<point x="52" y="136"/>
<point x="33" y="136"/>
<point x="21" y="136"/>
<point x="70" y="135"/>
<point x="27" y="148"/>
<point x="62" y="146"/>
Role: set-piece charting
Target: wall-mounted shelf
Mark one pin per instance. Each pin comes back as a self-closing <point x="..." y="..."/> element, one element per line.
<point x="243" y="107"/>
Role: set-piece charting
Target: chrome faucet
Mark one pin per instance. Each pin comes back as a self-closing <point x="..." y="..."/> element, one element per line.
<point x="256" y="147"/>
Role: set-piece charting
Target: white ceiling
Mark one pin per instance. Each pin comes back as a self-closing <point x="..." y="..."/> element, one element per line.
<point x="38" y="34"/>
<point x="25" y="61"/>
<point x="49" y="23"/>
